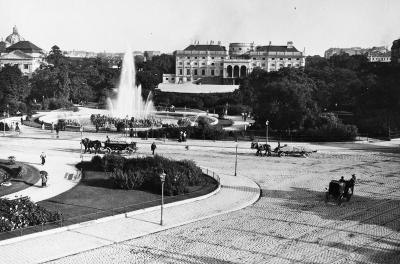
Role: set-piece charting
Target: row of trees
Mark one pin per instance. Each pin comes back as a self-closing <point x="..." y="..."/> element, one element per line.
<point x="63" y="80"/>
<point x="362" y="93"/>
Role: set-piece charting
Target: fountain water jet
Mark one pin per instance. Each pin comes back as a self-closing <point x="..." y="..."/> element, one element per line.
<point x="129" y="101"/>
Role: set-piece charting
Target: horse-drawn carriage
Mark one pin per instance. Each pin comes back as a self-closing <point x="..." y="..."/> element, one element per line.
<point x="284" y="150"/>
<point x="340" y="189"/>
<point x="120" y="146"/>
<point x="109" y="146"/>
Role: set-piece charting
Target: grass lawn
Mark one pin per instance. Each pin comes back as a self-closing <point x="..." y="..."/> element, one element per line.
<point x="95" y="197"/>
<point x="29" y="177"/>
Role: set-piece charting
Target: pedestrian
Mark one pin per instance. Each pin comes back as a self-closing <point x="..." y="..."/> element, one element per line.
<point x="153" y="147"/>
<point x="43" y="175"/>
<point x="52" y="127"/>
<point x="43" y="158"/>
<point x="107" y="139"/>
<point x="42" y="125"/>
<point x="57" y="131"/>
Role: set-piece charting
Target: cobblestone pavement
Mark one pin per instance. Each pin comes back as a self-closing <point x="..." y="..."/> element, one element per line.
<point x="290" y="223"/>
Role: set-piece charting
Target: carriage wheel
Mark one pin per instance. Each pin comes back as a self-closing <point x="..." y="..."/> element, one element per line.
<point x="129" y="150"/>
<point x="326" y="197"/>
<point x="108" y="150"/>
<point x="339" y="202"/>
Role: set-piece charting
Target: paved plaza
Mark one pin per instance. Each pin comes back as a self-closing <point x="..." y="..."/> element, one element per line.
<point x="289" y="223"/>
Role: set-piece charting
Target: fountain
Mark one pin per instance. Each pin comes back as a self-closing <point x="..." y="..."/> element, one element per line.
<point x="129" y="101"/>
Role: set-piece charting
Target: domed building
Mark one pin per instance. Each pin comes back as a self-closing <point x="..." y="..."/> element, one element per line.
<point x="17" y="51"/>
<point x="14" y="37"/>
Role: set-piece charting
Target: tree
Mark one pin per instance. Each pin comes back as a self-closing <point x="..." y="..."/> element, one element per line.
<point x="14" y="88"/>
<point x="283" y="97"/>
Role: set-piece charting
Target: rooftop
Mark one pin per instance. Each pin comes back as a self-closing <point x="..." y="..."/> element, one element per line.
<point x="210" y="47"/>
<point x="25" y="46"/>
<point x="276" y="48"/>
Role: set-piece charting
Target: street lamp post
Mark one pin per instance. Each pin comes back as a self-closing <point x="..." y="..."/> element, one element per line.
<point x="236" y="158"/>
<point x="4" y="123"/>
<point x="162" y="178"/>
<point x="266" y="131"/>
<point x="81" y="130"/>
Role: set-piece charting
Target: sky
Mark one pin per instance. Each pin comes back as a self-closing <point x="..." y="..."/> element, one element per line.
<point x="169" y="25"/>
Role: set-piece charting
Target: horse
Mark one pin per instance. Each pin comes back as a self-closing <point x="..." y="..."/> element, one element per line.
<point x="91" y="144"/>
<point x="260" y="148"/>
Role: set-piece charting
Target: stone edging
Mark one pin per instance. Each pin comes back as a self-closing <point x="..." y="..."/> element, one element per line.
<point x="108" y="218"/>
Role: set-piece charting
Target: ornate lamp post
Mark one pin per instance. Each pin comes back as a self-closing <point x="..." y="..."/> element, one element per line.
<point x="236" y="158"/>
<point x="162" y="178"/>
<point x="266" y="131"/>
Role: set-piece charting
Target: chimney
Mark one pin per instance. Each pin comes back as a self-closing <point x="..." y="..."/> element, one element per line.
<point x="290" y="44"/>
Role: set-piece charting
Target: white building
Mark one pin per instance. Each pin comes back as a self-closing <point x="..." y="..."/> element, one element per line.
<point x="17" y="51"/>
<point x="213" y="64"/>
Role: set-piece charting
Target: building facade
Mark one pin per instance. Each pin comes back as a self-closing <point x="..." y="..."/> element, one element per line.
<point x="374" y="54"/>
<point x="17" y="51"/>
<point x="213" y="64"/>
<point x="395" y="53"/>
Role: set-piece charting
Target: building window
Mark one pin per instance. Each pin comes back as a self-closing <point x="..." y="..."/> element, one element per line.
<point x="297" y="65"/>
<point x="273" y="58"/>
<point x="222" y="58"/>
<point x="240" y="48"/>
<point x="195" y="63"/>
<point x="263" y="64"/>
<point x="173" y="79"/>
<point x="254" y="64"/>
<point x="212" y="72"/>
<point x="222" y="64"/>
<point x="203" y="72"/>
<point x="289" y="65"/>
<point x="272" y="65"/>
<point x="26" y="66"/>
<point x="213" y="64"/>
<point x="180" y="63"/>
<point x="195" y="58"/>
<point x="281" y="65"/>
<point x="195" y="72"/>
<point x="263" y="58"/>
<point x="166" y="78"/>
<point x="204" y="57"/>
<point x="254" y="58"/>
<point x="297" y="59"/>
<point x="289" y="58"/>
<point x="187" y="63"/>
<point x="203" y="63"/>
<point x="188" y="58"/>
<point x="180" y="72"/>
<point x="281" y="58"/>
<point x="187" y="72"/>
<point x="212" y="57"/>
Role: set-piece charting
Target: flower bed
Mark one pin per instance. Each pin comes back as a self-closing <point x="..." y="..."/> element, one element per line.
<point x="144" y="173"/>
<point x="20" y="213"/>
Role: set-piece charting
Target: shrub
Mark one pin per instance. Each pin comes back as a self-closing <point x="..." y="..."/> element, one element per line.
<point x="97" y="163"/>
<point x="144" y="173"/>
<point x="2" y="127"/>
<point x="20" y="213"/>
<point x="4" y="176"/>
<point x="11" y="160"/>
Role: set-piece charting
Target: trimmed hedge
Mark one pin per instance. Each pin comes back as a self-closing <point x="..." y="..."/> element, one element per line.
<point x="144" y="173"/>
<point x="195" y="132"/>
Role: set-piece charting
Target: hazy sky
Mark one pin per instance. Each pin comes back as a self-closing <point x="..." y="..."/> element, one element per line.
<point x="168" y="25"/>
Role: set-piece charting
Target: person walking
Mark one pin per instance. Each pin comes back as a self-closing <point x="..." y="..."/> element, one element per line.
<point x="43" y="158"/>
<point x="153" y="147"/>
<point x="43" y="175"/>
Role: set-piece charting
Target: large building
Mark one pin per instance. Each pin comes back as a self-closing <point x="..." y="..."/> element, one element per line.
<point x="213" y="64"/>
<point x="17" y="51"/>
<point x="395" y="54"/>
<point x="374" y="54"/>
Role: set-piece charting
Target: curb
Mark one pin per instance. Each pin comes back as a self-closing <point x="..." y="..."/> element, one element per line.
<point x="106" y="219"/>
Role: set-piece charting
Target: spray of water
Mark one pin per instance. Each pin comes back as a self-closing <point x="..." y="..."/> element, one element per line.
<point x="129" y="101"/>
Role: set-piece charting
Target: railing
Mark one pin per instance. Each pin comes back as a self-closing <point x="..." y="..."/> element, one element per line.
<point x="100" y="213"/>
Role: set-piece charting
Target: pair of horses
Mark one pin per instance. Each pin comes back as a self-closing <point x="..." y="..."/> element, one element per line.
<point x="260" y="148"/>
<point x="91" y="145"/>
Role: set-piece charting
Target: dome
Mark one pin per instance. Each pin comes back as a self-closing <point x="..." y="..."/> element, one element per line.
<point x="14" y="37"/>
